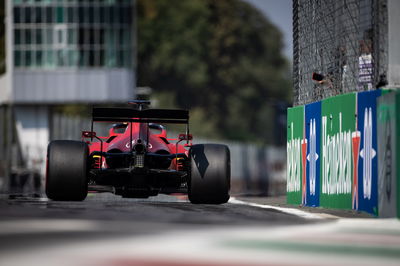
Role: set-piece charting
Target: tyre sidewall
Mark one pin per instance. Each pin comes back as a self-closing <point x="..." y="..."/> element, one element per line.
<point x="66" y="177"/>
<point x="209" y="180"/>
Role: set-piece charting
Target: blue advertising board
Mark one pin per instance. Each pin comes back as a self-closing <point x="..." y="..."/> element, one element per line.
<point x="366" y="194"/>
<point x="313" y="137"/>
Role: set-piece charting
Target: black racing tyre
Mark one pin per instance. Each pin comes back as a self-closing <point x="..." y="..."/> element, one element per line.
<point x="66" y="177"/>
<point x="210" y="174"/>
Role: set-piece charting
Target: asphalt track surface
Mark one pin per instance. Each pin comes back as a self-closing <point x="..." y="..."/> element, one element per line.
<point x="117" y="216"/>
<point x="168" y="230"/>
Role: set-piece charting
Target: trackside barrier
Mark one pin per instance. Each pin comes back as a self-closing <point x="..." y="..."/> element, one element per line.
<point x="332" y="151"/>
<point x="295" y="185"/>
<point x="337" y="127"/>
<point x="367" y="153"/>
<point x="312" y="125"/>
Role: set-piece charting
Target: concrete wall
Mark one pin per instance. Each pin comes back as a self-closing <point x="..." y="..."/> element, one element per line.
<point x="72" y="86"/>
<point x="388" y="116"/>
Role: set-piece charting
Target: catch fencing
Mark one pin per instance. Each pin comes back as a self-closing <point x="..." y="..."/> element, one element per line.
<point x="344" y="41"/>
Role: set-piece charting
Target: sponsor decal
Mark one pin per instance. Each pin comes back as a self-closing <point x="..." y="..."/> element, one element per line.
<point x="367" y="154"/>
<point x="312" y="157"/>
<point x="336" y="160"/>
<point x="356" y="136"/>
<point x="303" y="178"/>
<point x="293" y="164"/>
<point x="128" y="145"/>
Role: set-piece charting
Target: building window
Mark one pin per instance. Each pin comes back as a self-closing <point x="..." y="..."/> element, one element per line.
<point x="17" y="58"/>
<point x="60" y="36"/>
<point x="72" y="34"/>
<point x="17" y="37"/>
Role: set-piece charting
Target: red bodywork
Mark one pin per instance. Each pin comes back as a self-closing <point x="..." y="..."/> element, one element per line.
<point x="120" y="142"/>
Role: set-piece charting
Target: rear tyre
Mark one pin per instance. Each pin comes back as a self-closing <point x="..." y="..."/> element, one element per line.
<point x="210" y="174"/>
<point x="66" y="177"/>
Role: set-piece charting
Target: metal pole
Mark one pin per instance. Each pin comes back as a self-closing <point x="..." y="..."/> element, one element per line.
<point x="3" y="145"/>
<point x="134" y="49"/>
<point x="8" y="146"/>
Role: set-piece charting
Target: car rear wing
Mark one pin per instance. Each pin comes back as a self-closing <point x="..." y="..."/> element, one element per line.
<point x="113" y="114"/>
<point x="172" y="116"/>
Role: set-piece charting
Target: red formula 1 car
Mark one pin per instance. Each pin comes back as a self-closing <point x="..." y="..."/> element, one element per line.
<point x="137" y="160"/>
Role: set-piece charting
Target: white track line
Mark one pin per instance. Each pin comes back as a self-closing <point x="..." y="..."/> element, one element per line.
<point x="291" y="211"/>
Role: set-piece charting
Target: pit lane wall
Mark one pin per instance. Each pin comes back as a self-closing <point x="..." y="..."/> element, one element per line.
<point x="341" y="153"/>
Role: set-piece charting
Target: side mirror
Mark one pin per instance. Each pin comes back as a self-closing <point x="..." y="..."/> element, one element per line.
<point x="120" y="125"/>
<point x="118" y="128"/>
<point x="156" y="126"/>
<point x="88" y="134"/>
<point x="162" y="130"/>
<point x="185" y="137"/>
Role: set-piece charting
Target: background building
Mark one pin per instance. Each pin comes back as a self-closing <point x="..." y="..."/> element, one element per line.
<point x="60" y="52"/>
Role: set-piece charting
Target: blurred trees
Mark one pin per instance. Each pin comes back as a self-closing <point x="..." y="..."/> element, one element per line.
<point x="221" y="59"/>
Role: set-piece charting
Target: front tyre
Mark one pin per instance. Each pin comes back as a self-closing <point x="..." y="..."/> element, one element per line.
<point x="66" y="175"/>
<point x="210" y="174"/>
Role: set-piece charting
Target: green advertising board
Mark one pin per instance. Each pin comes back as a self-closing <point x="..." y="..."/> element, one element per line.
<point x="295" y="135"/>
<point x="338" y="126"/>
